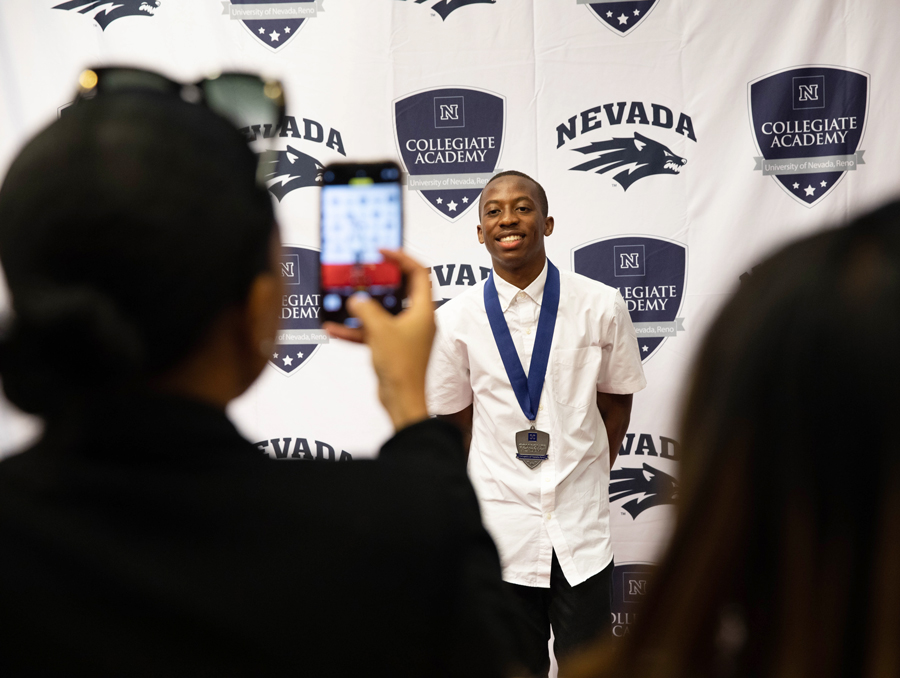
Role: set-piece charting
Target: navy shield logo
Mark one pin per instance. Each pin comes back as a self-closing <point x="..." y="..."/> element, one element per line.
<point x="300" y="331"/>
<point x="620" y="17"/>
<point x="105" y="12"/>
<point x="808" y="123"/>
<point x="273" y="22"/>
<point x="650" y="273"/>
<point x="631" y="582"/>
<point x="450" y="142"/>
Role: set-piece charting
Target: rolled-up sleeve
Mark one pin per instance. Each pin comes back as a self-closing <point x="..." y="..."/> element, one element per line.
<point x="621" y="370"/>
<point x="448" y="386"/>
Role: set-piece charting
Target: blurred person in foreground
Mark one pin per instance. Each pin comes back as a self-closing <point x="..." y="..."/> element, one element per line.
<point x="142" y="535"/>
<point x="785" y="560"/>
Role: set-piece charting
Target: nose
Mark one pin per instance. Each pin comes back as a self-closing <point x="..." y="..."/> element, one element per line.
<point x="508" y="217"/>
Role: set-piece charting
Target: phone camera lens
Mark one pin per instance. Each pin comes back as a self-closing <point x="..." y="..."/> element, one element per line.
<point x="390" y="301"/>
<point x="328" y="176"/>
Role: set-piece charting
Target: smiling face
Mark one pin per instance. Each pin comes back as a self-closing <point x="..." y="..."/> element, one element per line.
<point x="513" y="228"/>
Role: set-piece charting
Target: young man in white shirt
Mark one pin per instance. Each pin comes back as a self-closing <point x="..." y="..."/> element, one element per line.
<point x="540" y="366"/>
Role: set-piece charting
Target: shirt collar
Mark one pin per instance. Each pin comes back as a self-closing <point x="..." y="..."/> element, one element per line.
<point x="506" y="292"/>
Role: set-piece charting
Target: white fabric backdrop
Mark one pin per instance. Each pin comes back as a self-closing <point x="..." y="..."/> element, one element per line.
<point x="549" y="60"/>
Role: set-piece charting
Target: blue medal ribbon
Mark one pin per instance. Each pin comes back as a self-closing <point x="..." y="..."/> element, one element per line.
<point x="527" y="389"/>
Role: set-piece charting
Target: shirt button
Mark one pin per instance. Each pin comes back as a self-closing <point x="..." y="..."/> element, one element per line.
<point x="549" y="516"/>
<point x="546" y="479"/>
<point x="540" y="408"/>
<point x="520" y="295"/>
<point x="528" y="331"/>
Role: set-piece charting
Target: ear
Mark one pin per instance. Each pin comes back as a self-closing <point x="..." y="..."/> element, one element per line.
<point x="480" y="234"/>
<point x="639" y="144"/>
<point x="262" y="312"/>
<point x="548" y="226"/>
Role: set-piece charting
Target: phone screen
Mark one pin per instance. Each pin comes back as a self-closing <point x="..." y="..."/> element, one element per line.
<point x="358" y="218"/>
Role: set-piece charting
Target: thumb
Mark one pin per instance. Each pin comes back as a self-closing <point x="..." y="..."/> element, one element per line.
<point x="365" y="308"/>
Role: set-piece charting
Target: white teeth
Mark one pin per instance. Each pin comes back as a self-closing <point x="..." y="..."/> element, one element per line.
<point x="510" y="238"/>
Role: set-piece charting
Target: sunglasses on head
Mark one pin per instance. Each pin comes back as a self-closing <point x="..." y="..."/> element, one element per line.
<point x="241" y="98"/>
<point x="244" y="99"/>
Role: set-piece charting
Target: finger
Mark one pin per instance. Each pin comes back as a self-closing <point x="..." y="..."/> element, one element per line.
<point x="368" y="310"/>
<point x="338" y="331"/>
<point x="418" y="277"/>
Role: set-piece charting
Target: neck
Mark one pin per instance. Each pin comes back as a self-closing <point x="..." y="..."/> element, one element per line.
<point x="523" y="276"/>
<point x="216" y="372"/>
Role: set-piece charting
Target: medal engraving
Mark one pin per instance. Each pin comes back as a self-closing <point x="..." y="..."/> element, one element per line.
<point x="532" y="446"/>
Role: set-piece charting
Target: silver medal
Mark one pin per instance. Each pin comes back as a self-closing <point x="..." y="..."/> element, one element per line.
<point x="532" y="446"/>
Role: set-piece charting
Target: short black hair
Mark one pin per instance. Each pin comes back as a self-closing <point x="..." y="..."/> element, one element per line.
<point x="127" y="227"/>
<point x="542" y="195"/>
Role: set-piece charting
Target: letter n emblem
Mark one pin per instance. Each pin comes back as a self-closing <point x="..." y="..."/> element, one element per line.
<point x="809" y="92"/>
<point x="637" y="587"/>
<point x="449" y="112"/>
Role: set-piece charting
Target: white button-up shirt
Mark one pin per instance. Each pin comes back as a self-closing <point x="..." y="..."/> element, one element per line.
<point x="563" y="504"/>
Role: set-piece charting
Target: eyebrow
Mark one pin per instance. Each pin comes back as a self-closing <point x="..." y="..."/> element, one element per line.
<point x="521" y="197"/>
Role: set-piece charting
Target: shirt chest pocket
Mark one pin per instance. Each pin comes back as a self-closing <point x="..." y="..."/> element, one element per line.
<point x="575" y="373"/>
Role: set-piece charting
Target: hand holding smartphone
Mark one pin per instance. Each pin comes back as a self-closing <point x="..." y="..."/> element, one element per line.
<point x="361" y="213"/>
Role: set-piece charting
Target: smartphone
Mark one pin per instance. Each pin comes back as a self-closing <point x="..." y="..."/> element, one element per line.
<point x="361" y="211"/>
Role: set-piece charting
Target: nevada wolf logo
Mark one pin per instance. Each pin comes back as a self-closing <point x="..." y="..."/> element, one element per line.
<point x="620" y="17"/>
<point x="637" y="158"/>
<point x="290" y="169"/>
<point x="108" y="11"/>
<point x="273" y="22"/>
<point x="649" y="486"/>
<point x="628" y="158"/>
<point x="444" y="8"/>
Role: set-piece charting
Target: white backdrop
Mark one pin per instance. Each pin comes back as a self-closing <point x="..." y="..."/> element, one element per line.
<point x="569" y="74"/>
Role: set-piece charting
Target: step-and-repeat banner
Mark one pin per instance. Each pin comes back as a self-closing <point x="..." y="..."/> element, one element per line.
<point x="679" y="141"/>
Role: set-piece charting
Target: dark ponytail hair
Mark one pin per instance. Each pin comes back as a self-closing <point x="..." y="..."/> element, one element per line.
<point x="63" y="339"/>
<point x="126" y="229"/>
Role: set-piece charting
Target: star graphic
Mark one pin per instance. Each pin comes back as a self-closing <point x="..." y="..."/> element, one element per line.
<point x="451" y="206"/>
<point x="622" y="19"/>
<point x="275" y="355"/>
<point x="440" y="201"/>
<point x="609" y="15"/>
<point x="796" y="185"/>
<point x="809" y="190"/>
<point x="287" y="29"/>
<point x="465" y="200"/>
<point x="824" y="184"/>
<point x="273" y="36"/>
<point x="637" y="12"/>
<point x="299" y="355"/>
<point x="645" y="348"/>
<point x="287" y="360"/>
<point x="261" y="30"/>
